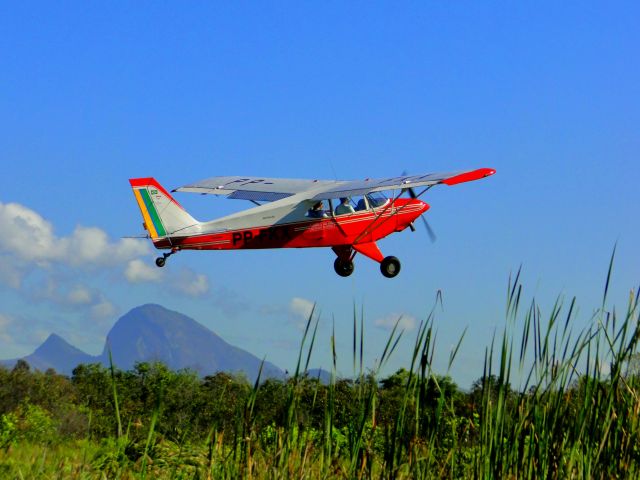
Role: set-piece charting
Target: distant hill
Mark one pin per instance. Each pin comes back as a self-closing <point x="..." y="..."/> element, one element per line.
<point x="322" y="375"/>
<point x="154" y="333"/>
<point x="55" y="353"/>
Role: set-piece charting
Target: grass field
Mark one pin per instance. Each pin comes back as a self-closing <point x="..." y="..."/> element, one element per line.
<point x="575" y="415"/>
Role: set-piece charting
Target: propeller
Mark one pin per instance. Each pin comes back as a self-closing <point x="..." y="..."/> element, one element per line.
<point x="430" y="232"/>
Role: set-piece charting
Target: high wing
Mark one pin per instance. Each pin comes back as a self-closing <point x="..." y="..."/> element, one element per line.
<point x="271" y="189"/>
<point x="255" y="188"/>
<point x="361" y="187"/>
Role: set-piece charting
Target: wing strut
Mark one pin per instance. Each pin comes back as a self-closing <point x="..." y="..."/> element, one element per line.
<point x="368" y="228"/>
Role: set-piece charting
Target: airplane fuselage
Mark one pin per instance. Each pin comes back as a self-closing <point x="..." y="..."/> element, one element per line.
<point x="333" y="231"/>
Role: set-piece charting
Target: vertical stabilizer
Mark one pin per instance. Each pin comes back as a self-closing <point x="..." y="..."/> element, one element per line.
<point x="163" y="215"/>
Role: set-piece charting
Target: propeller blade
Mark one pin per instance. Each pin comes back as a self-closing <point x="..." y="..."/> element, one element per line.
<point x="432" y="234"/>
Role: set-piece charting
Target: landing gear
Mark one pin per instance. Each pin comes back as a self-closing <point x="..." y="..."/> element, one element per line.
<point x="390" y="266"/>
<point x="344" y="268"/>
<point x="160" y="261"/>
<point x="343" y="265"/>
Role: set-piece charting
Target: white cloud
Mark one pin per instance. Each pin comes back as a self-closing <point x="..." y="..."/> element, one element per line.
<point x="301" y="307"/>
<point x="128" y="248"/>
<point x="80" y="299"/>
<point x="29" y="247"/>
<point x="86" y="245"/>
<point x="190" y="283"/>
<point x="90" y="245"/>
<point x="405" y="322"/>
<point x="300" y="310"/>
<point x="63" y="270"/>
<point x="103" y="309"/>
<point x="29" y="237"/>
<point x="26" y="234"/>
<point x="138" y="271"/>
<point x="10" y="274"/>
<point x="79" y="295"/>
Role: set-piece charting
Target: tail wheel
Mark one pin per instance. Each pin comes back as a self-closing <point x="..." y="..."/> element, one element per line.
<point x="390" y="267"/>
<point x="344" y="268"/>
<point x="160" y="261"/>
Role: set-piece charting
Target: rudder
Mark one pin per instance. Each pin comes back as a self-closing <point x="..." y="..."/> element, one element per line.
<point x="163" y="215"/>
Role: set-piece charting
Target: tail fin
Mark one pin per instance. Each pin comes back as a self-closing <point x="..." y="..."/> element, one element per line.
<point x="163" y="216"/>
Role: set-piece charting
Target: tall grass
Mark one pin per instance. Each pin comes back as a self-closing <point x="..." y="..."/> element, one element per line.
<point x="561" y="423"/>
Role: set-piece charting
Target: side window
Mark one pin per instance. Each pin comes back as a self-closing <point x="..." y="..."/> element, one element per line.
<point x="360" y="203"/>
<point x="317" y="210"/>
<point x="376" y="199"/>
<point x="343" y="206"/>
<point x="354" y="204"/>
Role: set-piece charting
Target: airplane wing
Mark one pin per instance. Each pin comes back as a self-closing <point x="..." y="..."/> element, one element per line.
<point x="361" y="187"/>
<point x="271" y="189"/>
<point x="255" y="188"/>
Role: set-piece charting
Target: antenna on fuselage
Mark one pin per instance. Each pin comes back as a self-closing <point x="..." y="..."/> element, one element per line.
<point x="335" y="176"/>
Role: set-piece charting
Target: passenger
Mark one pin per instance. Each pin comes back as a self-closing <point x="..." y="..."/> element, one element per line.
<point x="344" y="207"/>
<point x="317" y="211"/>
<point x="361" y="205"/>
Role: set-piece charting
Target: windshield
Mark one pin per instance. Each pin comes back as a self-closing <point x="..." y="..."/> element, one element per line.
<point x="357" y="203"/>
<point x="376" y="199"/>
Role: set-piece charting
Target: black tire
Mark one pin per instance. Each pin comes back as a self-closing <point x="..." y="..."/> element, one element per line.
<point x="344" y="268"/>
<point x="160" y="261"/>
<point x="390" y="267"/>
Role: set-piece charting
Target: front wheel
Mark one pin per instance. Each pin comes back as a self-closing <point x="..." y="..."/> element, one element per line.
<point x="344" y="268"/>
<point x="160" y="261"/>
<point x="390" y="267"/>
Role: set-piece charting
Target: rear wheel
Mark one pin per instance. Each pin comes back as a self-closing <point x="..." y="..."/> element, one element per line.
<point x="390" y="267"/>
<point x="344" y="268"/>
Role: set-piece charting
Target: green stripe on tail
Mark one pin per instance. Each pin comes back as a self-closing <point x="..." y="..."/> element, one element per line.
<point x="155" y="218"/>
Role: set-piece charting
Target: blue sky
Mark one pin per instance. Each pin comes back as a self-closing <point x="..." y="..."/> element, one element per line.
<point x="547" y="93"/>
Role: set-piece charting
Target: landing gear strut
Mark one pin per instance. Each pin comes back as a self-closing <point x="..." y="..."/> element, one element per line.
<point x="160" y="261"/>
<point x="344" y="268"/>
<point x="390" y="266"/>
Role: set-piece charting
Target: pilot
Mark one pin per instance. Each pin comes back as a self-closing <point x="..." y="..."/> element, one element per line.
<point x="344" y="207"/>
<point x="317" y="211"/>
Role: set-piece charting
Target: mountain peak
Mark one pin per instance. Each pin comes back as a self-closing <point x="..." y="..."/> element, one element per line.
<point x="56" y="345"/>
<point x="58" y="354"/>
<point x="54" y="338"/>
<point x="152" y="332"/>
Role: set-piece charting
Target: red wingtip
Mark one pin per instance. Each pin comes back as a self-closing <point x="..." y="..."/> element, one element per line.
<point x="469" y="176"/>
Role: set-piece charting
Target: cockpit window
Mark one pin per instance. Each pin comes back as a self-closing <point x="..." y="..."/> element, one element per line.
<point x="317" y="210"/>
<point x="357" y="203"/>
<point x="376" y="199"/>
<point x="343" y="206"/>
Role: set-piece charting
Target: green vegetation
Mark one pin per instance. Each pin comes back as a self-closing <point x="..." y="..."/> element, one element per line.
<point x="567" y="418"/>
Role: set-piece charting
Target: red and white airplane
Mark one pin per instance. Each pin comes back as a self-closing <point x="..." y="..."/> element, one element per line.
<point x="348" y="216"/>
